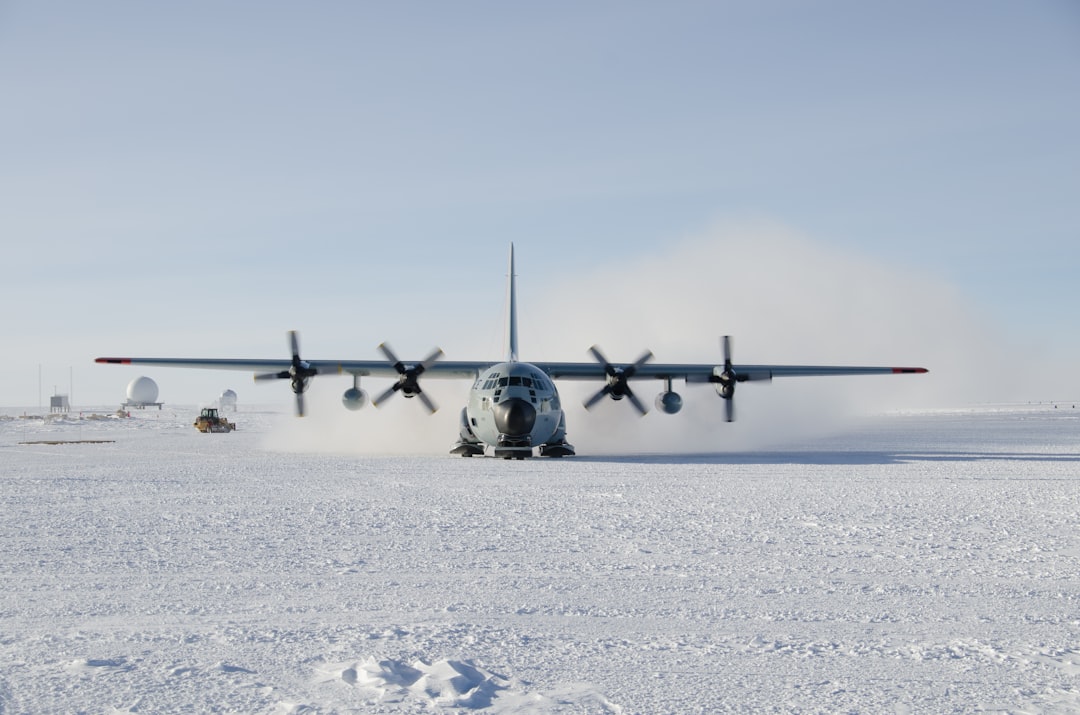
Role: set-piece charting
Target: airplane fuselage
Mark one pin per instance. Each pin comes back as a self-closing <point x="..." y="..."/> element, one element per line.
<point x="514" y="407"/>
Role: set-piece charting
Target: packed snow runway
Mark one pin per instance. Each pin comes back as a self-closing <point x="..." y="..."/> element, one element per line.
<point x="925" y="562"/>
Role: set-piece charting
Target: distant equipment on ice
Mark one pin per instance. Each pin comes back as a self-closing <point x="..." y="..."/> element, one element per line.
<point x="142" y="392"/>
<point x="227" y="401"/>
<point x="58" y="404"/>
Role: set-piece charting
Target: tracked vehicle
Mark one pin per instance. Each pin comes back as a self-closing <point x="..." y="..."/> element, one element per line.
<point x="210" y="421"/>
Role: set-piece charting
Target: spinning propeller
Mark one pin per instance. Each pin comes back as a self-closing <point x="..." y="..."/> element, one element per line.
<point x="725" y="381"/>
<point x="408" y="382"/>
<point x="618" y="377"/>
<point x="299" y="372"/>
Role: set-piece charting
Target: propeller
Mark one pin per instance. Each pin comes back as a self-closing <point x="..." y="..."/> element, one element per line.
<point x="726" y="380"/>
<point x="408" y="377"/>
<point x="299" y="372"/>
<point x="618" y="376"/>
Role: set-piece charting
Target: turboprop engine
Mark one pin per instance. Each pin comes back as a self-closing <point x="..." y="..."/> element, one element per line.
<point x="299" y="373"/>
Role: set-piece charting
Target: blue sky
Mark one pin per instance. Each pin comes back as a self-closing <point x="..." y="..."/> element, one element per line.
<point x="197" y="178"/>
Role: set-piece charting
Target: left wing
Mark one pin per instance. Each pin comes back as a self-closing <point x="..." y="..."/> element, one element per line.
<point x="361" y="368"/>
<point x="299" y="372"/>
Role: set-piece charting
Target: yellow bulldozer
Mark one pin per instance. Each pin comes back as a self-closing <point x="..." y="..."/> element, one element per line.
<point x="210" y="421"/>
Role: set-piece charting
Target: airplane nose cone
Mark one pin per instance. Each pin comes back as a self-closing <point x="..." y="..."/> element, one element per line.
<point x="514" y="417"/>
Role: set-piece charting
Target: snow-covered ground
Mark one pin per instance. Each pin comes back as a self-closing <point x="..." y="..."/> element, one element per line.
<point x="924" y="562"/>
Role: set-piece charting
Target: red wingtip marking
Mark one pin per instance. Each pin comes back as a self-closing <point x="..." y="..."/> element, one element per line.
<point x="114" y="361"/>
<point x="909" y="370"/>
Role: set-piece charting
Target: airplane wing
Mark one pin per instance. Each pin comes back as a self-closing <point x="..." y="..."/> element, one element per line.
<point x="361" y="368"/>
<point x="300" y="372"/>
<point x="724" y="376"/>
<point x="702" y="372"/>
<point x="691" y="372"/>
<point x="616" y="377"/>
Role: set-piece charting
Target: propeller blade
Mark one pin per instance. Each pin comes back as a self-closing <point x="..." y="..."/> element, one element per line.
<point x="600" y="394"/>
<point x="728" y="380"/>
<point x="294" y="343"/>
<point x="599" y="356"/>
<point x="299" y="404"/>
<point x="390" y="356"/>
<point x="430" y="360"/>
<point x="638" y="405"/>
<point x="386" y="394"/>
<point x="641" y="408"/>
<point x="428" y="403"/>
<point x="284" y="375"/>
<point x="645" y="357"/>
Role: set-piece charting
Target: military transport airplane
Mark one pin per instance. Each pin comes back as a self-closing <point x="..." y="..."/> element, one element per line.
<point x="513" y="406"/>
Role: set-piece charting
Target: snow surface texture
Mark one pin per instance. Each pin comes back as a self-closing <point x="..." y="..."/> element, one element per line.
<point x="927" y="562"/>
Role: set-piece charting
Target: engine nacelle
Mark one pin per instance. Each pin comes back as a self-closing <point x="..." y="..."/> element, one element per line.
<point x="354" y="398"/>
<point x="669" y="402"/>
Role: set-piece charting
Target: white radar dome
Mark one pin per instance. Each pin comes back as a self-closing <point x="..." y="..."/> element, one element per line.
<point x="142" y="389"/>
<point x="228" y="398"/>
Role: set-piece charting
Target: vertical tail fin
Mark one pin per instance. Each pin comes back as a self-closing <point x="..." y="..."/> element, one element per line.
<point x="511" y="313"/>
